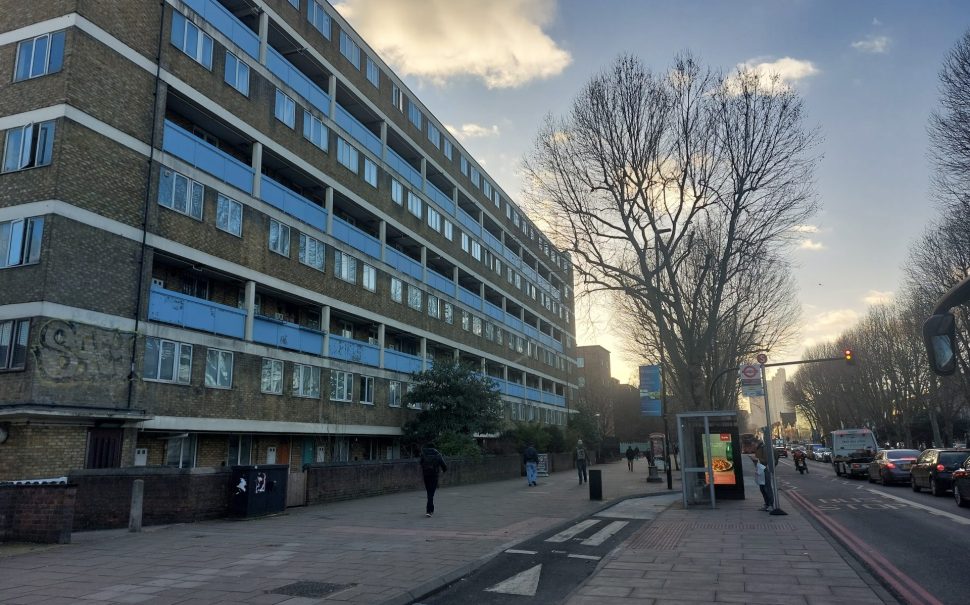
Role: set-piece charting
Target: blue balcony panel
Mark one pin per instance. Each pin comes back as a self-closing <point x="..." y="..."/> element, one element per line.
<point x="515" y="389"/>
<point x="499" y="384"/>
<point x="440" y="198"/>
<point x="513" y="322"/>
<point x="469" y="223"/>
<point x="403" y="263"/>
<point x="530" y="331"/>
<point x="293" y="203"/>
<point x="529" y="272"/>
<point x="286" y="335"/>
<point x="403" y="168"/>
<point x="494" y="311"/>
<point x="441" y="283"/>
<point x="353" y="236"/>
<point x="168" y="306"/>
<point x="533" y="394"/>
<point x="208" y="158"/>
<point x="355" y="351"/>
<point x="469" y="298"/>
<point x="401" y="362"/>
<point x="358" y="131"/>
<point x="492" y="242"/>
<point x="512" y="258"/>
<point x="297" y="80"/>
<point x="228" y="24"/>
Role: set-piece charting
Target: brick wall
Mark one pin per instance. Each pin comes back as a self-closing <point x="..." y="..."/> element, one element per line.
<point x="37" y="513"/>
<point x="38" y="451"/>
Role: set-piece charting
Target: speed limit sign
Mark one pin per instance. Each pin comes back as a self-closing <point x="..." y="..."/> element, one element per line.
<point x="762" y="358"/>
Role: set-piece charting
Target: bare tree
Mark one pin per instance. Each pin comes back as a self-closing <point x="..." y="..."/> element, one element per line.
<point x="950" y="127"/>
<point x="707" y="174"/>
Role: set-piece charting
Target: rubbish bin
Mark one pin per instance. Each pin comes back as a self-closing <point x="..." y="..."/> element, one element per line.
<point x="595" y="484"/>
<point x="258" y="490"/>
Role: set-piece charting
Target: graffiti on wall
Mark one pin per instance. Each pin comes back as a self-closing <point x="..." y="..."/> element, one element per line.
<point x="67" y="351"/>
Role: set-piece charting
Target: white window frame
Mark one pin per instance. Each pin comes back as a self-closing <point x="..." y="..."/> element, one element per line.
<point x="414" y="204"/>
<point x="195" y="194"/>
<point x="319" y="18"/>
<point x="229" y="215"/>
<point x="348" y="156"/>
<point x="240" y="73"/>
<point x="20" y="241"/>
<point x="397" y="192"/>
<point x="49" y="64"/>
<point x="434" y="306"/>
<point x="448" y="148"/>
<point x="341" y="386"/>
<point x="394" y="392"/>
<point x="29" y="146"/>
<point x="434" y="135"/>
<point x="271" y="376"/>
<point x="14" y="336"/>
<point x="306" y="381"/>
<point x="315" y="131"/>
<point x="345" y="266"/>
<point x="369" y="278"/>
<point x="397" y="97"/>
<point x="449" y="313"/>
<point x="366" y="390"/>
<point x="313" y="252"/>
<point x="434" y="219"/>
<point x="181" y="361"/>
<point x="370" y="172"/>
<point x="449" y="231"/>
<point x="414" y="114"/>
<point x="285" y="109"/>
<point x="397" y="290"/>
<point x="373" y="73"/>
<point x="414" y="297"/>
<point x="349" y="49"/>
<point x="476" y="250"/>
<point x="465" y="242"/>
<point x="199" y="49"/>
<point x="282" y="231"/>
<point x="221" y="362"/>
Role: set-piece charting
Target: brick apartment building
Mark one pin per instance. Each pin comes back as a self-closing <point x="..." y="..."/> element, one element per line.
<point x="229" y="234"/>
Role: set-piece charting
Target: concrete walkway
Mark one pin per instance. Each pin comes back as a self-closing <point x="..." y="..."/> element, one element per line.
<point x="384" y="551"/>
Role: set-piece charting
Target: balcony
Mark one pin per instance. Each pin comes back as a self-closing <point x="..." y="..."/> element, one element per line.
<point x="492" y="242"/>
<point x="514" y="389"/>
<point x="295" y="79"/>
<point x="401" y="362"/>
<point x="469" y="298"/>
<point x="441" y="283"/>
<point x="227" y="24"/>
<point x="403" y="168"/>
<point x="168" y="306"/>
<point x="494" y="311"/>
<point x="208" y="158"/>
<point x="285" y="335"/>
<point x="292" y="203"/>
<point x="530" y="331"/>
<point x="513" y="322"/>
<point x="356" y="351"/>
<point x="403" y="263"/>
<point x="358" y="131"/>
<point x="353" y="236"/>
<point x="511" y="257"/>
<point x="530" y="273"/>
<point x="440" y="198"/>
<point x="469" y="223"/>
<point x="533" y="394"/>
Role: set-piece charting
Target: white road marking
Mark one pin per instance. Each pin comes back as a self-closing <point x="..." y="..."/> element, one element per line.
<point x="929" y="509"/>
<point x="513" y="551"/>
<point x="572" y="532"/>
<point x="604" y="534"/>
<point x="525" y="583"/>
<point x="590" y="557"/>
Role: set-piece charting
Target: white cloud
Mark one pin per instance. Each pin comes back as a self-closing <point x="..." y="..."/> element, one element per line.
<point x="805" y="229"/>
<point x="876" y="21"/>
<point x="808" y="244"/>
<point x="873" y="44"/>
<point x="473" y="131"/>
<point x="500" y="41"/>
<point x="877" y="297"/>
<point x="788" y="69"/>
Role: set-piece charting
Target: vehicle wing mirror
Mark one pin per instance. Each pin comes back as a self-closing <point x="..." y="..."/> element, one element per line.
<point x="939" y="335"/>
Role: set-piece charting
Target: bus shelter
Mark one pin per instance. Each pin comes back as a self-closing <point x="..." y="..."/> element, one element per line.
<point x="710" y="457"/>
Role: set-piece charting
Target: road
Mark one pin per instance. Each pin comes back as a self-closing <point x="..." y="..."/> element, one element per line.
<point x="548" y="567"/>
<point x="915" y="540"/>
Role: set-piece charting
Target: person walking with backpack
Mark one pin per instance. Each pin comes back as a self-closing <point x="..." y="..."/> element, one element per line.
<point x="581" y="457"/>
<point x="531" y="458"/>
<point x="431" y="462"/>
<point x="629" y="457"/>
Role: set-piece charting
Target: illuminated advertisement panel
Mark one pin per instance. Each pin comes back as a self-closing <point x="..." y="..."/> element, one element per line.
<point x="721" y="451"/>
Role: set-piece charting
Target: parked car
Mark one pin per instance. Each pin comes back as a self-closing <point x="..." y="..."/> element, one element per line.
<point x="892" y="466"/>
<point x="934" y="467"/>
<point x="961" y="484"/>
<point x="823" y="454"/>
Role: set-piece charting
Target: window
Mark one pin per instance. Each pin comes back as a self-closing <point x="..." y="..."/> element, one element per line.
<point x="476" y="325"/>
<point x="229" y="215"/>
<point x="20" y="241"/>
<point x="487" y="189"/>
<point x="434" y="219"/>
<point x="397" y="98"/>
<point x="465" y="241"/>
<point x="285" y="109"/>
<point x="367" y="389"/>
<point x="449" y="231"/>
<point x="191" y="40"/>
<point x="414" y="114"/>
<point x="237" y="73"/>
<point x="271" y="379"/>
<point x="295" y="4"/>
<point x="315" y="131"/>
<point x="369" y="279"/>
<point x="397" y="290"/>
<point x="341" y="386"/>
<point x="448" y="148"/>
<point x="312" y="252"/>
<point x="218" y="369"/>
<point x="498" y="336"/>
<point x="306" y="381"/>
<point x="345" y="266"/>
<point x="449" y="313"/>
<point x="414" y="297"/>
<point x="167" y="361"/>
<point x="497" y="199"/>
<point x="434" y="135"/>
<point x="580" y="362"/>
<point x="464" y="165"/>
<point x="394" y="394"/>
<point x="489" y="331"/>
<point x="349" y="49"/>
<point x="414" y="204"/>
<point x="39" y="56"/>
<point x="347" y="155"/>
<point x="318" y="18"/>
<point x="434" y="310"/>
<point x="474" y="176"/>
<point x="397" y="192"/>
<point x="13" y="344"/>
<point x="180" y="193"/>
<point x="370" y="172"/>
<point x="465" y="320"/>
<point x="476" y="250"/>
<point x="28" y="146"/>
<point x="373" y="73"/>
<point x="279" y="238"/>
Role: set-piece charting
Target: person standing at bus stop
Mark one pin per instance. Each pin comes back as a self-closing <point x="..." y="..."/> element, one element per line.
<point x="581" y="458"/>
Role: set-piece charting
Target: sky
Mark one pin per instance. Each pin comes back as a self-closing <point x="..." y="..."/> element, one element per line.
<point x="866" y="70"/>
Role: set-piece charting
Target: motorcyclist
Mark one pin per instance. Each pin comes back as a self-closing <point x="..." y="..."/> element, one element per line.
<point x="799" y="457"/>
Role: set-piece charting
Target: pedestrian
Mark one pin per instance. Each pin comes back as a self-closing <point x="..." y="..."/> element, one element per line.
<point x="676" y="460"/>
<point x="580" y="456"/>
<point x="531" y="458"/>
<point x="629" y="458"/>
<point x="761" y="478"/>
<point x="636" y="452"/>
<point x="431" y="462"/>
<point x="650" y="457"/>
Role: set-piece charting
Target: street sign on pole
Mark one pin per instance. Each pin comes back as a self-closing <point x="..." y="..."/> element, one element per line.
<point x="650" y="385"/>
<point x="751" y="385"/>
<point x="762" y="358"/>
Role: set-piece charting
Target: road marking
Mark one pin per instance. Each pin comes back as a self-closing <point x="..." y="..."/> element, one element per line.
<point x="513" y="551"/>
<point x="572" y="532"/>
<point x="590" y="557"/>
<point x="604" y="534"/>
<point x="929" y="509"/>
<point x="525" y="583"/>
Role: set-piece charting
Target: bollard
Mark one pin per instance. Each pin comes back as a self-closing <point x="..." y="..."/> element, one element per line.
<point x="595" y="484"/>
<point x="137" y="499"/>
<point x="653" y="476"/>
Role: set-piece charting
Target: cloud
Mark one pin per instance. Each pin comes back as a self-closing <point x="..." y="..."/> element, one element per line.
<point x="787" y="69"/>
<point x="873" y="44"/>
<point x="805" y="229"/>
<point x="502" y="42"/>
<point x="876" y="21"/>
<point x="878" y="297"/>
<point x="808" y="244"/>
<point x="473" y="131"/>
<point x="827" y="326"/>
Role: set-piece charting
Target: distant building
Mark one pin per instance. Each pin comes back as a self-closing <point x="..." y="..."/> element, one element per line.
<point x="596" y="384"/>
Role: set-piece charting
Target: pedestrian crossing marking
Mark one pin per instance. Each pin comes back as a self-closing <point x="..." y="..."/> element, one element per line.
<point x="513" y="551"/>
<point x="524" y="583"/>
<point x="590" y="557"/>
<point x="604" y="534"/>
<point x="572" y="532"/>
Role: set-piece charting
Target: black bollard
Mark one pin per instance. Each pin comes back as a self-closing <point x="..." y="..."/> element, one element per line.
<point x="595" y="484"/>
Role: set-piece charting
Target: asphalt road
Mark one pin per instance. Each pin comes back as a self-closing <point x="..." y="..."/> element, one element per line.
<point x="924" y="537"/>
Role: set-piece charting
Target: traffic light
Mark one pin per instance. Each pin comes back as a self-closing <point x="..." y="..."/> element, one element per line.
<point x="848" y="357"/>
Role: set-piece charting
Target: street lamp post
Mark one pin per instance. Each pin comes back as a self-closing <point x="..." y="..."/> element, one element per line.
<point x="663" y="382"/>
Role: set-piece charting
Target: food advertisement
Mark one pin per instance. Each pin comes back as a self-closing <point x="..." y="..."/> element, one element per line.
<point x="718" y="446"/>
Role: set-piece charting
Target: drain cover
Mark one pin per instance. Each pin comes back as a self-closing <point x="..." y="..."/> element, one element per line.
<point x="309" y="589"/>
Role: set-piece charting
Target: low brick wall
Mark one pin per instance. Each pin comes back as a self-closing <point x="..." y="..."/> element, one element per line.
<point x="172" y="495"/>
<point x="335" y="482"/>
<point x="37" y="513"/>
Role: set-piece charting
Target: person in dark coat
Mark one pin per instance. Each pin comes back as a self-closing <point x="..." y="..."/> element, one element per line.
<point x="431" y="462"/>
<point x="531" y="459"/>
<point x="629" y="457"/>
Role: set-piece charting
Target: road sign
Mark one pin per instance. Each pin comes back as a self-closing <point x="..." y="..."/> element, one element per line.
<point x="751" y="385"/>
<point x="750" y="371"/>
<point x="762" y="358"/>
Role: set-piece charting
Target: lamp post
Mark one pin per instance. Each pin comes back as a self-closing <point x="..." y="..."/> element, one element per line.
<point x="663" y="381"/>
